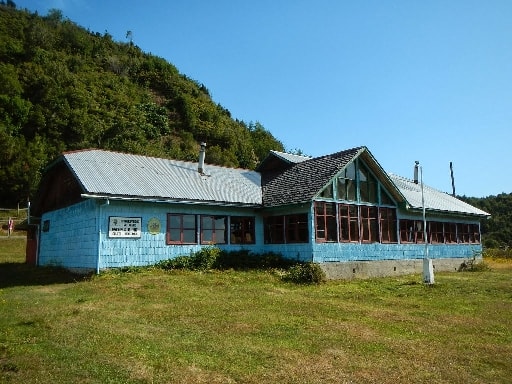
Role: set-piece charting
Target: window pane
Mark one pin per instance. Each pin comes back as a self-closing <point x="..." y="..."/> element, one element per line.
<point x="296" y="229"/>
<point x="207" y="236"/>
<point x="332" y="233"/>
<point x="346" y="185"/>
<point x="175" y="235"/>
<point x="220" y="222"/>
<point x="388" y="225"/>
<point x="242" y="230"/>
<point x="206" y="222"/>
<point x="325" y="219"/>
<point x="189" y="221"/>
<point x="406" y="231"/>
<point x="367" y="185"/>
<point x="384" y="197"/>
<point x="189" y="236"/>
<point x="220" y="236"/>
<point x="369" y="224"/>
<point x="349" y="224"/>
<point x="174" y="221"/>
<point x="327" y="192"/>
<point x="341" y="188"/>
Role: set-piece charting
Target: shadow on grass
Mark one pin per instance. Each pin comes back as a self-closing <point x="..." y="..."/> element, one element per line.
<point x="21" y="274"/>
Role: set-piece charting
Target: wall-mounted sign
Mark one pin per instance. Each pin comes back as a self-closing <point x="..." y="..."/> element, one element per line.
<point x="124" y="226"/>
<point x="154" y="226"/>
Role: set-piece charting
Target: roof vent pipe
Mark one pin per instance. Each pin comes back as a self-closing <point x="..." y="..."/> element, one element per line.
<point x="416" y="166"/>
<point x="453" y="179"/>
<point x="200" y="167"/>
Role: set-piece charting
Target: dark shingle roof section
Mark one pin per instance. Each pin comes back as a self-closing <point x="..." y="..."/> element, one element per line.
<point x="301" y="181"/>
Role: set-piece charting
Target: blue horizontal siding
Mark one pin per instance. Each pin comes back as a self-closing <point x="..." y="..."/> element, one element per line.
<point x="78" y="236"/>
<point x="332" y="252"/>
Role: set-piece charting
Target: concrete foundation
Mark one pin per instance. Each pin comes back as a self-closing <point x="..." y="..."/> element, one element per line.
<point x="368" y="269"/>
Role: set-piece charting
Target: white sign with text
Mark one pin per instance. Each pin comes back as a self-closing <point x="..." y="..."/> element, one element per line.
<point x="124" y="226"/>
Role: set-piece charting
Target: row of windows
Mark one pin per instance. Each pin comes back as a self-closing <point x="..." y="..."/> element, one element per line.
<point x="353" y="223"/>
<point x="209" y="229"/>
<point x="411" y="231"/>
<point x="286" y="229"/>
<point x="370" y="224"/>
<point x="333" y="223"/>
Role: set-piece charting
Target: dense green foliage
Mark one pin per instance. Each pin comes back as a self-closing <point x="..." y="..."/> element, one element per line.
<point x="215" y="258"/>
<point x="64" y="88"/>
<point x="497" y="230"/>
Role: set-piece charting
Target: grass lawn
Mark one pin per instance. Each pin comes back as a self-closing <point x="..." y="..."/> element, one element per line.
<point x="153" y="326"/>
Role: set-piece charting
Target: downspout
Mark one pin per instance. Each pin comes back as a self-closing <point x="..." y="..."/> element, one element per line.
<point x="98" y="261"/>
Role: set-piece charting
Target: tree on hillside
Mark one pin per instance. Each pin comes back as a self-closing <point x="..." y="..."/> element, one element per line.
<point x="63" y="87"/>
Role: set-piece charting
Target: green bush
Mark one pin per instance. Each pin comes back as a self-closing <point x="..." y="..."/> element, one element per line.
<point x="472" y="265"/>
<point x="215" y="258"/>
<point x="305" y="273"/>
<point x="180" y="262"/>
<point x="204" y="259"/>
<point x="244" y="259"/>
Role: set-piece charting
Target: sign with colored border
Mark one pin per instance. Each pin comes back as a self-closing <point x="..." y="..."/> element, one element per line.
<point x="124" y="227"/>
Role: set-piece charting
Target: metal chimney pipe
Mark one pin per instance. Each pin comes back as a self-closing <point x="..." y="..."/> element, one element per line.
<point x="200" y="167"/>
<point x="453" y="179"/>
<point x="416" y="166"/>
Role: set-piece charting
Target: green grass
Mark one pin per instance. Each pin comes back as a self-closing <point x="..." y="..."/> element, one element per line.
<point x="152" y="326"/>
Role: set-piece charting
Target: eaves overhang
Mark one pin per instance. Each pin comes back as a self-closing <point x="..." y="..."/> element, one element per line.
<point x="164" y="200"/>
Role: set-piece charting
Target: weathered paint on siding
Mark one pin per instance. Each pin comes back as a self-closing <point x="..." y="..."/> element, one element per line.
<point x="78" y="238"/>
<point x="335" y="252"/>
<point x="71" y="240"/>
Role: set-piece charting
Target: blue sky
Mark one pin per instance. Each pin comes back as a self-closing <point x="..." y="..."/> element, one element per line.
<point x="411" y="80"/>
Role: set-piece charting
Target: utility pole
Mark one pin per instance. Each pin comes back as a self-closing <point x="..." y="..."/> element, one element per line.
<point x="428" y="268"/>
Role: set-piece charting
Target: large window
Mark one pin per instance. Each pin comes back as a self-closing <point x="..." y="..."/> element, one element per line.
<point x="436" y="233"/>
<point x="346" y="184"/>
<point x="181" y="229"/>
<point x="213" y="229"/>
<point x="349" y="223"/>
<point x="325" y="217"/>
<point x="274" y="229"/>
<point x="209" y="229"/>
<point x="407" y="234"/>
<point x="286" y="229"/>
<point x="450" y="233"/>
<point x="411" y="231"/>
<point x="369" y="224"/>
<point x="297" y="228"/>
<point x="367" y="185"/>
<point x="468" y="233"/>
<point x="388" y="225"/>
<point x="242" y="230"/>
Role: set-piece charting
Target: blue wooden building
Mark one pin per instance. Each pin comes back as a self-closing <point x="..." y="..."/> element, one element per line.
<point x="99" y="209"/>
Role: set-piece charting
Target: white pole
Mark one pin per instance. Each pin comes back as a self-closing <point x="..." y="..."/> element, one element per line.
<point x="428" y="268"/>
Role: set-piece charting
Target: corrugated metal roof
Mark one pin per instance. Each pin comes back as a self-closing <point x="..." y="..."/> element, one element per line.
<point x="104" y="173"/>
<point x="134" y="176"/>
<point x="434" y="199"/>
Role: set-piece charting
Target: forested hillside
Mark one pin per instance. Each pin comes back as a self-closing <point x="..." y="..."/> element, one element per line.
<point x="497" y="230"/>
<point x="64" y="88"/>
